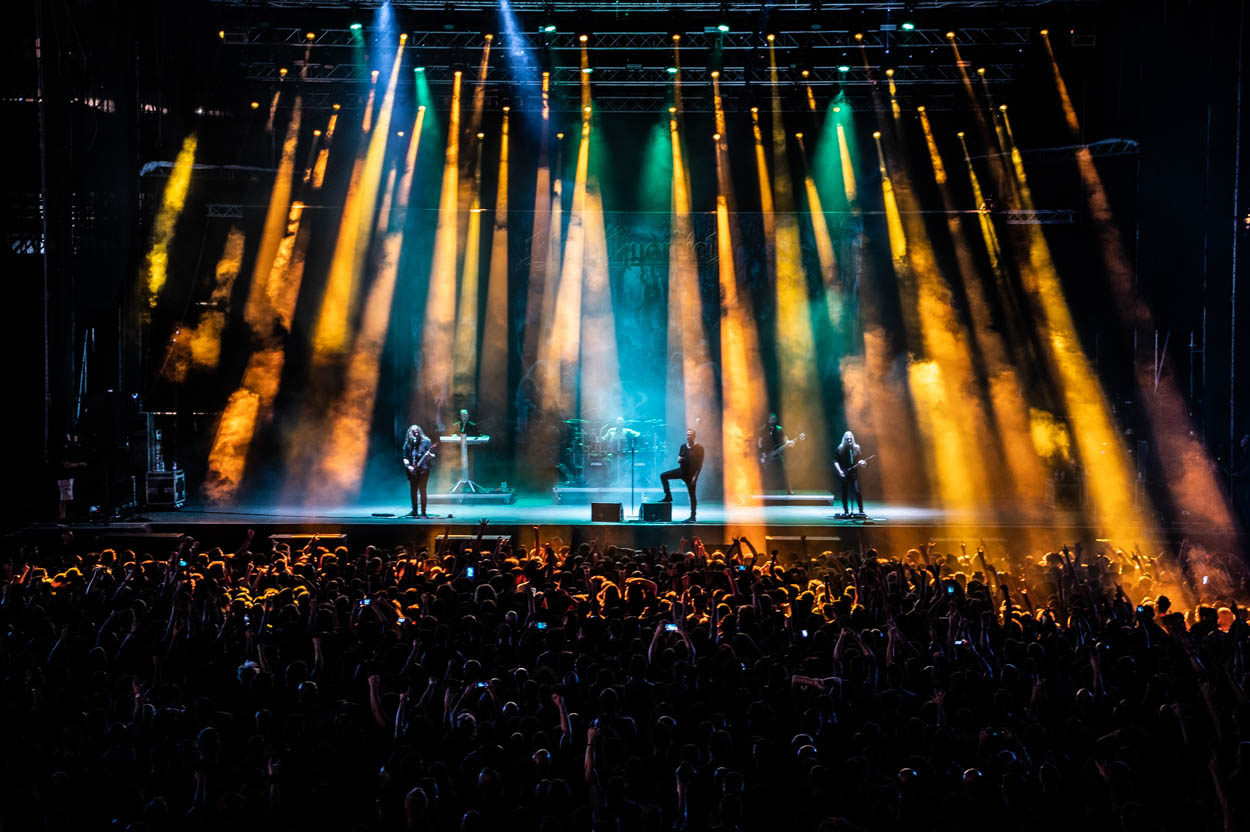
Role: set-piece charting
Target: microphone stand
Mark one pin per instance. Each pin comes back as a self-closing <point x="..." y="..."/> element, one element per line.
<point x="633" y="446"/>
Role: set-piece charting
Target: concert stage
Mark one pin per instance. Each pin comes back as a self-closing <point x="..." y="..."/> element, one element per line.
<point x="789" y="523"/>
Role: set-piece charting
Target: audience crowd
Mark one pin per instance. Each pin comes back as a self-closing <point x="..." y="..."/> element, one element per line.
<point x="604" y="688"/>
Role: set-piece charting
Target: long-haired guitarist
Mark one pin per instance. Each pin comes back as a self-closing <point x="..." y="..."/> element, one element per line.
<point x="418" y="456"/>
<point x="772" y="442"/>
<point x="847" y="462"/>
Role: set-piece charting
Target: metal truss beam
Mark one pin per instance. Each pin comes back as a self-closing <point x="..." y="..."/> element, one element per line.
<point x="656" y="76"/>
<point x="695" y="39"/>
<point x="1040" y="216"/>
<point x="619" y="6"/>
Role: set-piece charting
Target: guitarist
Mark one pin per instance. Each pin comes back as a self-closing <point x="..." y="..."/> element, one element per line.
<point x="418" y="455"/>
<point x="847" y="462"/>
<point x="772" y="437"/>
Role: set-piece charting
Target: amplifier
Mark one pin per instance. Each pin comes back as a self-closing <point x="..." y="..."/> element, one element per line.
<point x="657" y="512"/>
<point x="606" y="513"/>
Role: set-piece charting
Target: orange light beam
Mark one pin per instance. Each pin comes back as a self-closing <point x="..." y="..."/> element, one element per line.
<point x="1192" y="483"/>
<point x="742" y="391"/>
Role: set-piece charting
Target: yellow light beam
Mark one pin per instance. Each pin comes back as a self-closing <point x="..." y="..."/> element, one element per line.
<point x="692" y="395"/>
<point x="560" y="376"/>
<point x="464" y="349"/>
<point x="352" y="245"/>
<point x="540" y="236"/>
<point x="199" y="345"/>
<point x="323" y="156"/>
<point x="801" y="396"/>
<point x="342" y="458"/>
<point x="257" y="311"/>
<point x="172" y="200"/>
<point x="742" y="392"/>
<point x="1023" y="471"/>
<point x="1108" y="473"/>
<point x="492" y="385"/>
<point x="600" y="370"/>
<point x="432" y="393"/>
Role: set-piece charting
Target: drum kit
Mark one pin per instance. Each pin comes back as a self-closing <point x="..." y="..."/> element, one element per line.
<point x="604" y="453"/>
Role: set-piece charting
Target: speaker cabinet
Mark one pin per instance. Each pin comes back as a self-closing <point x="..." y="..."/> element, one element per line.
<point x="657" y="512"/>
<point x="606" y="513"/>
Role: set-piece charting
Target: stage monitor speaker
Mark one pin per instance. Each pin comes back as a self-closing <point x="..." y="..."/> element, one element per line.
<point x="606" y="513"/>
<point x="657" y="512"/>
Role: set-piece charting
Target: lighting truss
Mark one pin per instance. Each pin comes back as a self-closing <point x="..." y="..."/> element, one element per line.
<point x="1102" y="149"/>
<point x="618" y="6"/>
<point x="635" y="76"/>
<point x="696" y="39"/>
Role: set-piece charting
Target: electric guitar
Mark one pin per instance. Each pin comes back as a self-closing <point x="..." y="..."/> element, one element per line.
<point x="858" y="464"/>
<point x="412" y="469"/>
<point x="766" y="456"/>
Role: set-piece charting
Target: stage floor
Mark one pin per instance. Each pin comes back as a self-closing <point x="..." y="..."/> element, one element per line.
<point x="805" y="521"/>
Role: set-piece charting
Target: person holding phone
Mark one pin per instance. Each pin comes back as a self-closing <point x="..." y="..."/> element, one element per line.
<point x="418" y="456"/>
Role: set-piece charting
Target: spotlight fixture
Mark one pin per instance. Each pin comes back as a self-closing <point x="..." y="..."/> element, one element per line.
<point x="755" y="109"/>
<point x="583" y="38"/>
<point x="889" y="73"/>
<point x="844" y="68"/>
<point x="403" y="37"/>
<point x="310" y="36"/>
<point x="559" y="137"/>
<point x="316" y="132"/>
<point x="960" y="134"/>
<point x="907" y="26"/>
<point x="1044" y="33"/>
<point x="506" y="108"/>
<point x="771" y="37"/>
<point x="798" y="136"/>
<point x="355" y="27"/>
<point x="548" y="28"/>
<point x="586" y="70"/>
<point x="255" y="105"/>
<point x="672" y="70"/>
<point x="716" y="73"/>
<point x="418" y="69"/>
<point x="489" y="37"/>
<point x="980" y="70"/>
<point x="336" y="106"/>
<point x="920" y="109"/>
<point x="399" y="133"/>
<point x="672" y="110"/>
<point x="420" y="108"/>
<point x="676" y="36"/>
<point x="716" y="137"/>
<point x="950" y="35"/>
<point x="805" y="73"/>
<point x="859" y="36"/>
<point x="481" y="135"/>
<point x="282" y="72"/>
<point x="586" y="109"/>
<point x="837" y="109"/>
<point x="457" y="73"/>
<point x="1002" y="108"/>
<point x="876" y="134"/>
<point x="221" y="33"/>
<point x="722" y="27"/>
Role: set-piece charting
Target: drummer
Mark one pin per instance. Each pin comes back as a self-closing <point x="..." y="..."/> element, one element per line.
<point x="615" y="435"/>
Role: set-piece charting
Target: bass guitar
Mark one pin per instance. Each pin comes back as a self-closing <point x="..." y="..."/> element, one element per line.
<point x="768" y="456"/>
